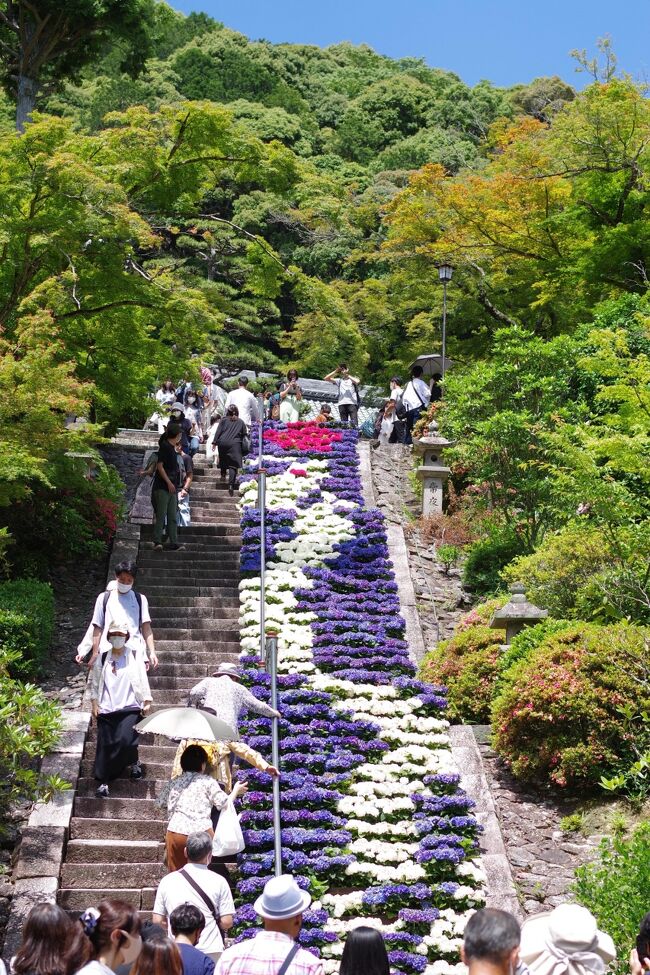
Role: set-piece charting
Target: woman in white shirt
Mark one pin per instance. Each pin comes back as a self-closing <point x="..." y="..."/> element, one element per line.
<point x="113" y="930"/>
<point x="119" y="695"/>
<point x="190" y="799"/>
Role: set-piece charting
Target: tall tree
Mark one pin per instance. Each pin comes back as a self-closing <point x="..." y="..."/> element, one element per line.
<point x="43" y="42"/>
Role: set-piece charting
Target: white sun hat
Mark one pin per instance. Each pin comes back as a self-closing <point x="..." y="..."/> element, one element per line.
<point x="565" y="941"/>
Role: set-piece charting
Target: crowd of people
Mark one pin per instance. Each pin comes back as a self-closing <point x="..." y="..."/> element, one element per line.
<point x="193" y="910"/>
<point x="186" y="937"/>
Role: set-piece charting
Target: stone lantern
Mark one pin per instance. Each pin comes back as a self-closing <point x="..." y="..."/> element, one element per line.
<point x="432" y="471"/>
<point x="517" y="613"/>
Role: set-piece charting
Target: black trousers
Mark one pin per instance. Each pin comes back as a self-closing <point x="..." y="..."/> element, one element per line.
<point x="117" y="743"/>
<point x="349" y="412"/>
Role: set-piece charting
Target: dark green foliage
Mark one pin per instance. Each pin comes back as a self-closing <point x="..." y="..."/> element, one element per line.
<point x="615" y="889"/>
<point x="26" y="623"/>
<point x="486" y="560"/>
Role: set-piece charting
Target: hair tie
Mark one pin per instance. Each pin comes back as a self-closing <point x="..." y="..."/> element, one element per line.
<point x="89" y="920"/>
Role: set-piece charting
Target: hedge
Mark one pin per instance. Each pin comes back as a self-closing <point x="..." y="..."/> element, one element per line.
<point x="26" y="624"/>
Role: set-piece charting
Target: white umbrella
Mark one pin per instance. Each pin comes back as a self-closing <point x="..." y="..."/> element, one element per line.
<point x="179" y="723"/>
<point x="431" y="364"/>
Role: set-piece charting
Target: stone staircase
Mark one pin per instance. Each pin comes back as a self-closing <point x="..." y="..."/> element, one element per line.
<point x="115" y="846"/>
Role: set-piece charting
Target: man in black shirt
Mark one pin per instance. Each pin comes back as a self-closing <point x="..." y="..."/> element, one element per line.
<point x="166" y="484"/>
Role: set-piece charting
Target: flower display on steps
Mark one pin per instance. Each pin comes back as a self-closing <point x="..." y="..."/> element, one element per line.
<point x="373" y="821"/>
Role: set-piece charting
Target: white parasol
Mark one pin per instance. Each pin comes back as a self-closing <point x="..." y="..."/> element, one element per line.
<point x="177" y="723"/>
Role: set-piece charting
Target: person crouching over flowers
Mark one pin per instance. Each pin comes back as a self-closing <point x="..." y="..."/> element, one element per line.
<point x="119" y="695"/>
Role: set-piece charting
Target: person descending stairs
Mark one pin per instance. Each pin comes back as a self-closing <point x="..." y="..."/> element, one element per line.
<point x="116" y="845"/>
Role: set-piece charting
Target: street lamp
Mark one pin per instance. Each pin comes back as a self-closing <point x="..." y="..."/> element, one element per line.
<point x="445" y="272"/>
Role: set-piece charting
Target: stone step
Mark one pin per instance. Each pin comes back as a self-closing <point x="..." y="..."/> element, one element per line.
<point x="123" y="788"/>
<point x="222" y="569"/>
<point x="101" y="875"/>
<point x="119" y="829"/>
<point x="198" y="531"/>
<point x="179" y="682"/>
<point x="188" y="556"/>
<point x="153" y="771"/>
<point x="114" y="851"/>
<point x="77" y="899"/>
<point x="157" y="594"/>
<point x="87" y="807"/>
<point x="165" y="614"/>
<point x="201" y="602"/>
<point x="229" y="635"/>
<point x="205" y="652"/>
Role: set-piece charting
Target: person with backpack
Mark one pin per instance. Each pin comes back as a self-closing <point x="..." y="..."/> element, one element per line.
<point x="232" y="440"/>
<point x="348" y="398"/>
<point x="416" y="397"/>
<point x="119" y="696"/>
<point x="127" y="603"/>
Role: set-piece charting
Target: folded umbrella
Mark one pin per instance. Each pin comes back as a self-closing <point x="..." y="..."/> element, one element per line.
<point x="179" y="723"/>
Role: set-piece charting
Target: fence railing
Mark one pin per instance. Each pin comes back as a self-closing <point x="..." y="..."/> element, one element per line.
<point x="269" y="646"/>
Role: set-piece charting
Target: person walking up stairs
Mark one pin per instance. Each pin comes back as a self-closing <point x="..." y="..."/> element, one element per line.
<point x="116" y="845"/>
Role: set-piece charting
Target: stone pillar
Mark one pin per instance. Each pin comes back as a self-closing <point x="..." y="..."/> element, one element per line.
<point x="432" y="472"/>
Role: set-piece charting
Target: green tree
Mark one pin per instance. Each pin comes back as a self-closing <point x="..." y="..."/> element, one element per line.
<point x="44" y="41"/>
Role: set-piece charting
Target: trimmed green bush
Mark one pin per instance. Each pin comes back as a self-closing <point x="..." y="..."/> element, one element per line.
<point x="560" y="717"/>
<point x="486" y="560"/>
<point x="562" y="567"/>
<point x="26" y="623"/>
<point x="468" y="665"/>
<point x="614" y="887"/>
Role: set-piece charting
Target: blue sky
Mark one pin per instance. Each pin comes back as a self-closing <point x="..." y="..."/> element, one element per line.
<point x="506" y="41"/>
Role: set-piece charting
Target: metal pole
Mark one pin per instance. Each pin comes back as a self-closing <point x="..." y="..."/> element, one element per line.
<point x="444" y="328"/>
<point x="260" y="449"/>
<point x="272" y="655"/>
<point x="261" y="504"/>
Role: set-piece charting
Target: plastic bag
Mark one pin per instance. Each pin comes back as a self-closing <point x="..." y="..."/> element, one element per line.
<point x="183" y="518"/>
<point x="228" y="838"/>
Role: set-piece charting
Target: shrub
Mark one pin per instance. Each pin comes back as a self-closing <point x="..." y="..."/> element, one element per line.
<point x="529" y="639"/>
<point x="481" y="614"/>
<point x="560" y="716"/>
<point x="448" y="555"/>
<point x="614" y="887"/>
<point x="486" y="560"/>
<point x="26" y="623"/>
<point x="29" y="728"/>
<point x="561" y="567"/>
<point x="468" y="665"/>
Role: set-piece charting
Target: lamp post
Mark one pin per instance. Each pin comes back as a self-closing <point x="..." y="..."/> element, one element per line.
<point x="445" y="272"/>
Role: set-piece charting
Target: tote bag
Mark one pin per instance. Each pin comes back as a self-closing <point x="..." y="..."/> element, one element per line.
<point x="228" y="837"/>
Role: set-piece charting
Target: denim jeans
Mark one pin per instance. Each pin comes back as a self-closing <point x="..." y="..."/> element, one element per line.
<point x="412" y="418"/>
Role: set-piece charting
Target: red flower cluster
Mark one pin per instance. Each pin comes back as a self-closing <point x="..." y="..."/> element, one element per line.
<point x="304" y="438"/>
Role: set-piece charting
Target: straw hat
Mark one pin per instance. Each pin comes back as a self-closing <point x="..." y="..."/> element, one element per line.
<point x="565" y="941"/>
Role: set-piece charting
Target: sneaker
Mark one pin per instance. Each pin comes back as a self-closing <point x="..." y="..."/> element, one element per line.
<point x="231" y="490"/>
<point x="136" y="771"/>
<point x="158" y="547"/>
<point x="172" y="548"/>
<point x="102" y="791"/>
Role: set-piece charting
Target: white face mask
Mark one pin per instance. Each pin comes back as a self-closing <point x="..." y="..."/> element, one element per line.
<point x="190" y="399"/>
<point x="117" y="640"/>
<point x="124" y="587"/>
<point x="131" y="949"/>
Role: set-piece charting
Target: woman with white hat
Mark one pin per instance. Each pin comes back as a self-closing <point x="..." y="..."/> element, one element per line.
<point x="565" y="941"/>
<point x="119" y="695"/>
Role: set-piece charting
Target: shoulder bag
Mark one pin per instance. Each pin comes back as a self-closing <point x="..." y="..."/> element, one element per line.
<point x="208" y="900"/>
